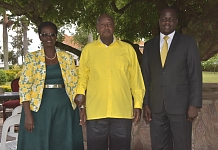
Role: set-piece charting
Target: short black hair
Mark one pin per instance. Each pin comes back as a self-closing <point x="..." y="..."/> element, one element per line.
<point x="45" y="24"/>
<point x="169" y="8"/>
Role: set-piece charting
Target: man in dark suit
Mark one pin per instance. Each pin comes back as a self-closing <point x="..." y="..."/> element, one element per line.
<point x="173" y="83"/>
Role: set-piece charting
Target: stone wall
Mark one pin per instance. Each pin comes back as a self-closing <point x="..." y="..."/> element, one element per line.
<point x="205" y="130"/>
<point x="205" y="126"/>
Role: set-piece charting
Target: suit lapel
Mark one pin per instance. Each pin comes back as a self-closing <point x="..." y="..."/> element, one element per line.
<point x="173" y="43"/>
<point x="157" y="51"/>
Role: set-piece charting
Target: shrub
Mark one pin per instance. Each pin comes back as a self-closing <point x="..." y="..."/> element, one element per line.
<point x="3" y="77"/>
<point x="211" y="64"/>
<point x="18" y="74"/>
<point x="6" y="88"/>
<point x="15" y="67"/>
<point x="11" y="75"/>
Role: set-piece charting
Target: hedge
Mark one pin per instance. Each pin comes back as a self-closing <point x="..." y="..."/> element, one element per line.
<point x="3" y="77"/>
<point x="6" y="88"/>
<point x="11" y="75"/>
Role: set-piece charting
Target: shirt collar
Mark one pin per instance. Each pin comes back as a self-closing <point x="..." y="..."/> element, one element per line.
<point x="169" y="35"/>
<point x="114" y="40"/>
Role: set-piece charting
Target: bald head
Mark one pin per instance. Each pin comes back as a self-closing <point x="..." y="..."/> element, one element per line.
<point x="103" y="16"/>
<point x="105" y="28"/>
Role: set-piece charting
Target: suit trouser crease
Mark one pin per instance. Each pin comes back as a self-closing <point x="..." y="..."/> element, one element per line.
<point x="170" y="131"/>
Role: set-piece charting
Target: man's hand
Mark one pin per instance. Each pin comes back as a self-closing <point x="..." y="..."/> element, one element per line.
<point x="136" y="115"/>
<point x="82" y="116"/>
<point x="147" y="113"/>
<point x="192" y="113"/>
<point x="80" y="100"/>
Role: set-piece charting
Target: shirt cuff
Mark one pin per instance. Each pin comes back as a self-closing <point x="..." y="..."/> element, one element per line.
<point x="80" y="91"/>
<point x="138" y="105"/>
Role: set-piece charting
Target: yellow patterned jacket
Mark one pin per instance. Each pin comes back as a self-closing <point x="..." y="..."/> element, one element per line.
<point x="33" y="77"/>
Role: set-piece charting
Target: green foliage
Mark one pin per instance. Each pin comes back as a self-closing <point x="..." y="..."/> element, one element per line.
<point x="12" y="57"/>
<point x="18" y="74"/>
<point x="6" y="88"/>
<point x="18" y="39"/>
<point x="134" y="19"/>
<point x="211" y="64"/>
<point x="17" y="69"/>
<point x="10" y="75"/>
<point x="81" y="37"/>
<point x="3" y="77"/>
<point x="204" y="28"/>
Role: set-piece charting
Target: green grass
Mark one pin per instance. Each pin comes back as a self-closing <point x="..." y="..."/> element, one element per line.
<point x="210" y="77"/>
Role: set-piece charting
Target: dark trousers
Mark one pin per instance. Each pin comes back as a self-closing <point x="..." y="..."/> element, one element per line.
<point x="109" y="131"/>
<point x="170" y="132"/>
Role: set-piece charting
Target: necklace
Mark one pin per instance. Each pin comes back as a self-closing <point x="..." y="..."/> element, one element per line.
<point x="52" y="57"/>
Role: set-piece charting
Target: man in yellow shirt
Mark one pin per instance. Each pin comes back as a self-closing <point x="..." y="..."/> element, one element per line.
<point x="109" y="75"/>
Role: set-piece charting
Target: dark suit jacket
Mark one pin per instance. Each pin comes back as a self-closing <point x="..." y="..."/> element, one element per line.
<point x="177" y="85"/>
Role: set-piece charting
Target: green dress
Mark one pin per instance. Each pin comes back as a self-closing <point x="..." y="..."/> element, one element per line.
<point x="56" y="123"/>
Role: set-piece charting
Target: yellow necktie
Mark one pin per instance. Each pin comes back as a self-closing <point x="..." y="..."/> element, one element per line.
<point x="164" y="50"/>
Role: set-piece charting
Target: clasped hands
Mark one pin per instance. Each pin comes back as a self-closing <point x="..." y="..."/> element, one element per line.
<point x="80" y="101"/>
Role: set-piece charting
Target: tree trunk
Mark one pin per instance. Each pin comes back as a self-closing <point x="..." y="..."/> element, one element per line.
<point x="25" y="40"/>
<point x="90" y="37"/>
<point x="5" y="40"/>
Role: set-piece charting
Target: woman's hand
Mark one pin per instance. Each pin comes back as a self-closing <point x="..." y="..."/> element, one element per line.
<point x="29" y="122"/>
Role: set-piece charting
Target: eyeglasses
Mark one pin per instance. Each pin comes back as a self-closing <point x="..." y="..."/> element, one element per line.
<point x="47" y="34"/>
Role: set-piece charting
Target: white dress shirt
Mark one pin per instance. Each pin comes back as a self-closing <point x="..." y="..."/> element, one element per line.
<point x="168" y="41"/>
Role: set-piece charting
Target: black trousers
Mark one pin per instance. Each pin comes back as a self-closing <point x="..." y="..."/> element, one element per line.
<point x="170" y="132"/>
<point x="109" y="132"/>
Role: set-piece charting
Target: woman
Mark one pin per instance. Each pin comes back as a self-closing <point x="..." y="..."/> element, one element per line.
<point x="50" y="118"/>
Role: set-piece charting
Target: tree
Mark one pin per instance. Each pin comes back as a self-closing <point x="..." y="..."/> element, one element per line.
<point x="81" y="37"/>
<point x="59" y="12"/>
<point x="12" y="57"/>
<point x="6" y="24"/>
<point x="134" y="19"/>
<point x="211" y="64"/>
<point x="20" y="41"/>
<point x="204" y="27"/>
<point x="26" y="41"/>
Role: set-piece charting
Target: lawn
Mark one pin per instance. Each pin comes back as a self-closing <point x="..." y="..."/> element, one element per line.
<point x="210" y="77"/>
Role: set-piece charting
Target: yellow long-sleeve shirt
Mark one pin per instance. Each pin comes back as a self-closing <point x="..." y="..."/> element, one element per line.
<point x="111" y="75"/>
